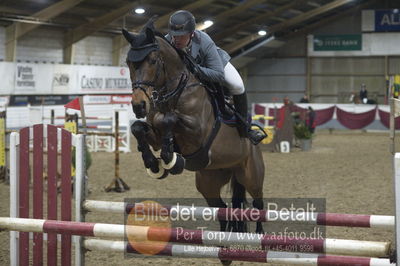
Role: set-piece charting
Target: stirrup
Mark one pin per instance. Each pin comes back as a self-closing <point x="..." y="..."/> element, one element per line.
<point x="256" y="136"/>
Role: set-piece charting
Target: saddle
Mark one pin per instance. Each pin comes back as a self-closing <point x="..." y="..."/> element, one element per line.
<point x="222" y="108"/>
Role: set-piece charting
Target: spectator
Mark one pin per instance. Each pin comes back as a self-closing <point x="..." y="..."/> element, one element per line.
<point x="310" y="120"/>
<point x="354" y="98"/>
<point x="286" y="100"/>
<point x="304" y="99"/>
<point x="363" y="94"/>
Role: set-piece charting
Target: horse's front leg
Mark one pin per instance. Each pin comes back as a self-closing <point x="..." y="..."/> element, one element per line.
<point x="171" y="160"/>
<point x="141" y="131"/>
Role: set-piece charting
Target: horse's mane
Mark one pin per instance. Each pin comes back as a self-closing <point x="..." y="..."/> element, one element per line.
<point x="180" y="53"/>
<point x="149" y="39"/>
<point x="186" y="59"/>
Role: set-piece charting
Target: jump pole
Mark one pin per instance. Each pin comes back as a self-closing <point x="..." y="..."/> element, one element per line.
<point x="396" y="181"/>
<point x="203" y="237"/>
<point x="274" y="257"/>
<point x="394" y="113"/>
<point x="249" y="215"/>
<point x="3" y="160"/>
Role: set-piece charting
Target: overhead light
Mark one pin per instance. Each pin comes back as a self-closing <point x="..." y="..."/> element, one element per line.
<point x="139" y="10"/>
<point x="262" y="32"/>
<point x="396" y="10"/>
<point x="206" y="24"/>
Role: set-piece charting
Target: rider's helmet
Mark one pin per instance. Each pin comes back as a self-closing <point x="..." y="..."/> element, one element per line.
<point x="181" y="22"/>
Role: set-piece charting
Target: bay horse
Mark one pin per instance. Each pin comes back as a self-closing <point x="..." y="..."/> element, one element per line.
<point x="181" y="121"/>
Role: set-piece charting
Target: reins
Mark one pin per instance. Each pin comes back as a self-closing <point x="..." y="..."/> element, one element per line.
<point x="158" y="98"/>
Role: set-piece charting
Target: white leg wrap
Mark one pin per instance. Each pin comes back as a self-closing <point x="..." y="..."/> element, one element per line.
<point x="171" y="163"/>
<point x="160" y="172"/>
<point x="155" y="175"/>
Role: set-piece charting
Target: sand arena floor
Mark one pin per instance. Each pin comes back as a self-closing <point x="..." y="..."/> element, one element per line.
<point x="352" y="170"/>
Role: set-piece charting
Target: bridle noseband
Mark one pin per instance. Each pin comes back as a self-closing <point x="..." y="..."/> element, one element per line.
<point x="138" y="84"/>
<point x="161" y="95"/>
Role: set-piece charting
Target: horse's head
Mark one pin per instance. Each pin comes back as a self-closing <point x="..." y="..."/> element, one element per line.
<point x="146" y="68"/>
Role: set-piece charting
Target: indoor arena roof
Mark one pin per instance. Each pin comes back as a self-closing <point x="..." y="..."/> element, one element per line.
<point x="236" y="23"/>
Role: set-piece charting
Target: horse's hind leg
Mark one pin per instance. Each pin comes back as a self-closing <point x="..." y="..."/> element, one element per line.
<point x="252" y="178"/>
<point x="259" y="204"/>
<point x="209" y="184"/>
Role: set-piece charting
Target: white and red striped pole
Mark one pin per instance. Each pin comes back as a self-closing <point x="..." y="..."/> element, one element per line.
<point x="203" y="237"/>
<point x="250" y="215"/>
<point x="274" y="257"/>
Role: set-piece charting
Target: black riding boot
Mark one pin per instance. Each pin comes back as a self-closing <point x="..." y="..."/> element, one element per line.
<point x="244" y="129"/>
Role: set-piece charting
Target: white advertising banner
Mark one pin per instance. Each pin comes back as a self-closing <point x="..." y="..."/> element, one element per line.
<point x="99" y="79"/>
<point x="7" y="71"/>
<point x="4" y="100"/>
<point x="33" y="78"/>
<point x="61" y="79"/>
<point x="122" y="99"/>
<point x="97" y="99"/>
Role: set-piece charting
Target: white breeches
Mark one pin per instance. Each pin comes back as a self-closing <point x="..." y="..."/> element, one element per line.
<point x="233" y="80"/>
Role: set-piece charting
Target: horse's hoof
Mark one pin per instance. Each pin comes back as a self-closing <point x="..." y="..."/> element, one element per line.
<point x="161" y="174"/>
<point x="226" y="262"/>
<point x="179" y="166"/>
<point x="171" y="163"/>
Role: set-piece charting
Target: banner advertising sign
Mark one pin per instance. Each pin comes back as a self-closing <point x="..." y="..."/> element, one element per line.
<point x="387" y="20"/>
<point x="97" y="79"/>
<point x="107" y="99"/>
<point x="40" y="99"/>
<point x="33" y="78"/>
<point x="4" y="100"/>
<point x="97" y="99"/>
<point x="63" y="78"/>
<point x="337" y="42"/>
<point x="25" y="77"/>
<point x="383" y="20"/>
<point x="122" y="99"/>
<point x="7" y="71"/>
<point x="22" y="100"/>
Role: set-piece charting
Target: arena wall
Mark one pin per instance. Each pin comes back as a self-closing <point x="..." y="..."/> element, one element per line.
<point x="327" y="77"/>
<point x="289" y="70"/>
<point x="45" y="45"/>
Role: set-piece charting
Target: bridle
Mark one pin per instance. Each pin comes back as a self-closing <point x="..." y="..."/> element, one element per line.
<point x="138" y="84"/>
<point x="161" y="96"/>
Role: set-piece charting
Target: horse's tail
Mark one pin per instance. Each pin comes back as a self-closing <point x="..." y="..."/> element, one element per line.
<point x="238" y="193"/>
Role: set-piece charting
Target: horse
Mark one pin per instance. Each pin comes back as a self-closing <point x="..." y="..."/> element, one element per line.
<point x="181" y="121"/>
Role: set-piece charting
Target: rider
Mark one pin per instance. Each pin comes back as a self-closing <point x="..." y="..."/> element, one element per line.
<point x="213" y="63"/>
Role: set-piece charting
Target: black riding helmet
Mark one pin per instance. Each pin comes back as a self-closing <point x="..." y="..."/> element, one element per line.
<point x="181" y="22"/>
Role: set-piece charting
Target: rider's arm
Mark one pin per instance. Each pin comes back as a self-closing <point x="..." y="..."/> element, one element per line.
<point x="213" y="68"/>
